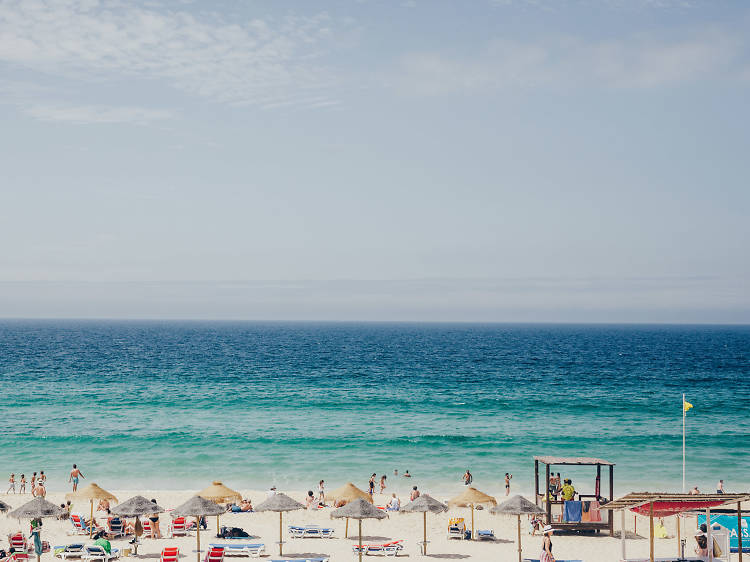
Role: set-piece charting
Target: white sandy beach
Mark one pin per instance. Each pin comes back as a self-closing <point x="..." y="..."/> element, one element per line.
<point x="406" y="526"/>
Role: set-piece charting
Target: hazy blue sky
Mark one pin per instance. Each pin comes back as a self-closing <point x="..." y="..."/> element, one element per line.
<point x="469" y="160"/>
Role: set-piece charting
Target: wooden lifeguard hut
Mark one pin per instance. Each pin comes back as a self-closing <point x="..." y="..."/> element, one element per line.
<point x="543" y="493"/>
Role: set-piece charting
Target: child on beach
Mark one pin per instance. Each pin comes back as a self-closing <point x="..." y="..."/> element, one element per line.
<point x="382" y="484"/>
<point x="12" y="482"/>
<point x="322" y="492"/>
<point x="371" y="484"/>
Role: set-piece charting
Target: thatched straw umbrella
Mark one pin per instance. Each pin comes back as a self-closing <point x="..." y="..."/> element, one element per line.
<point x="197" y="507"/>
<point x="136" y="506"/>
<point x="91" y="492"/>
<point x="422" y="505"/>
<point x="359" y="509"/>
<point x="219" y="493"/>
<point x="518" y="505"/>
<point x="347" y="493"/>
<point x="471" y="497"/>
<point x="280" y="503"/>
<point x="37" y="508"/>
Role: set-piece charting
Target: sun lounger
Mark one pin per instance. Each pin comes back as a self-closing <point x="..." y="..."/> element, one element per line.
<point x="386" y="549"/>
<point x="457" y="528"/>
<point x="240" y="549"/>
<point x="17" y="541"/>
<point x="485" y="534"/>
<point x="74" y="550"/>
<point x="170" y="554"/>
<point x="178" y="527"/>
<point x="116" y="528"/>
<point x="20" y="557"/>
<point x="299" y="559"/>
<point x="558" y="560"/>
<point x="79" y="525"/>
<point x="214" y="554"/>
<point x="96" y="552"/>
<point x="313" y="531"/>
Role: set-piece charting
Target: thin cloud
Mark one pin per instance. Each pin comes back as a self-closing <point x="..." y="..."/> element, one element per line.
<point x="252" y="62"/>
<point x="631" y="62"/>
<point x="95" y="114"/>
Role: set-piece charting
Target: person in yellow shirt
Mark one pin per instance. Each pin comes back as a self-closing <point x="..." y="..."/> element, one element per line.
<point x="568" y="492"/>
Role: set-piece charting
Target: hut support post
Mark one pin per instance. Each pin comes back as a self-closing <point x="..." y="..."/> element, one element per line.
<point x="198" y="538"/>
<point x="651" y="531"/>
<point x="610" y="520"/>
<point x="739" y="531"/>
<point x="360" y="540"/>
<point x="709" y="538"/>
<point x="622" y="535"/>
<point x="519" y="537"/>
<point x="679" y="538"/>
<point x="424" y="521"/>
<point x="536" y="482"/>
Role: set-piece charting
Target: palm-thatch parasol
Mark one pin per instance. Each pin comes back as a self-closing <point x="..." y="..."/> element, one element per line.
<point x="471" y="497"/>
<point x="280" y="503"/>
<point x="219" y="493"/>
<point x="37" y="508"/>
<point x="347" y="493"/>
<point x="518" y="505"/>
<point x="359" y="509"/>
<point x="136" y="506"/>
<point x="422" y="505"/>
<point x="91" y="492"/>
<point x="197" y="507"/>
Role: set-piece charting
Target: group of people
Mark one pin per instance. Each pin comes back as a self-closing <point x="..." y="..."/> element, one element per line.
<point x="561" y="488"/>
<point x="38" y="484"/>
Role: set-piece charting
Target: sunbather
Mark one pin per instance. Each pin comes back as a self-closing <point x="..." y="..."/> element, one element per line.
<point x="394" y="504"/>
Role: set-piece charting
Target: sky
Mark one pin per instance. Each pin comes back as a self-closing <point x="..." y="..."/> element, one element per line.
<point x="473" y="160"/>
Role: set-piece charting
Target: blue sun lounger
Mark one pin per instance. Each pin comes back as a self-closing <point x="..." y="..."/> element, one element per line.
<point x="485" y="534"/>
<point x="240" y="549"/>
<point x="313" y="531"/>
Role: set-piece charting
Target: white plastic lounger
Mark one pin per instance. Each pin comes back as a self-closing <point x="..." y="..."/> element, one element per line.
<point x="240" y="549"/>
<point x="96" y="552"/>
<point x="312" y="531"/>
<point x="299" y="559"/>
<point x="485" y="534"/>
<point x="64" y="551"/>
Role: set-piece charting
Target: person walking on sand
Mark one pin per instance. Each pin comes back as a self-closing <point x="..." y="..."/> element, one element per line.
<point x="507" y="483"/>
<point x="33" y="482"/>
<point x="75" y="474"/>
<point x="371" y="484"/>
<point x="468" y="478"/>
<point x="546" y="555"/>
<point x="382" y="484"/>
<point x="322" y="492"/>
<point x="22" y="490"/>
<point x="12" y="484"/>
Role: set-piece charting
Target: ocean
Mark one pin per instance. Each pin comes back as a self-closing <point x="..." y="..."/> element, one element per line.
<point x="148" y="405"/>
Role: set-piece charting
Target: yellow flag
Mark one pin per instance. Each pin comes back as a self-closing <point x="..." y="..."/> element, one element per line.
<point x="686" y="406"/>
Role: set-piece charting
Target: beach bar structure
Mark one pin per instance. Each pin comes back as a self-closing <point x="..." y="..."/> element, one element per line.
<point x="540" y="493"/>
<point x="652" y="504"/>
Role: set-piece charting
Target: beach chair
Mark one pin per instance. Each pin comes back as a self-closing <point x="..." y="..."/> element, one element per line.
<point x="386" y="549"/>
<point x="240" y="549"/>
<point x="146" y="526"/>
<point x="64" y="551"/>
<point x="17" y="541"/>
<point x="96" y="552"/>
<point x="170" y="554"/>
<point x="326" y="559"/>
<point x="20" y="557"/>
<point x="214" y="554"/>
<point x="178" y="527"/>
<point x="116" y="528"/>
<point x="485" y="534"/>
<point x="457" y="528"/>
<point x="312" y="531"/>
<point x="79" y="525"/>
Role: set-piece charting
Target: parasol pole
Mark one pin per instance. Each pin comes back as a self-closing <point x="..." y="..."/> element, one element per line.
<point x="519" y="537"/>
<point x="346" y="529"/>
<point x="425" y="532"/>
<point x="217" y="524"/>
<point x="198" y="538"/>
<point x="91" y="521"/>
<point x="280" y="533"/>
<point x="360" y="540"/>
<point x="651" y="531"/>
<point x="473" y="537"/>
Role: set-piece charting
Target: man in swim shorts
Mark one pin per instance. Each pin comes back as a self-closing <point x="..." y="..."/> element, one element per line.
<point x="74" y="475"/>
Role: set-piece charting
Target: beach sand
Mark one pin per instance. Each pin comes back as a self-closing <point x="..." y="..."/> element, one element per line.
<point x="406" y="526"/>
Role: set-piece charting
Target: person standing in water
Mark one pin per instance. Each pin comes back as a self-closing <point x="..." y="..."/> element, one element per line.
<point x="468" y="478"/>
<point x="12" y="484"/>
<point x="74" y="475"/>
<point x="507" y="483"/>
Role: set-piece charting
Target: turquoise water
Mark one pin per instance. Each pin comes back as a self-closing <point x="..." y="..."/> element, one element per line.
<point x="173" y="405"/>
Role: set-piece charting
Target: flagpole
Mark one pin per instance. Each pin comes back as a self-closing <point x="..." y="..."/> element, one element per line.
<point x="683" y="443"/>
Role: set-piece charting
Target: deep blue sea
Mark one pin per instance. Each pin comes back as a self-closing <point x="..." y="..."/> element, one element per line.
<point x="174" y="405"/>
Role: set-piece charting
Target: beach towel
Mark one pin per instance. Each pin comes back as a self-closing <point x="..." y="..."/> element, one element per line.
<point x="586" y="512"/>
<point x="594" y="514"/>
<point x="572" y="511"/>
